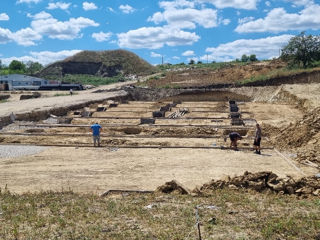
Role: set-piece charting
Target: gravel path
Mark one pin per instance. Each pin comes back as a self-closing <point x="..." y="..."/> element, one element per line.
<point x="11" y="151"/>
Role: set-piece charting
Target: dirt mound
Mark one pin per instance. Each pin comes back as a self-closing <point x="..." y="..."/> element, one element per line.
<point x="263" y="181"/>
<point x="230" y="73"/>
<point x="302" y="136"/>
<point x="99" y="63"/>
<point x="172" y="187"/>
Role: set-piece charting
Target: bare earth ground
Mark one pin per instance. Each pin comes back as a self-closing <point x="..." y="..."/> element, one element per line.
<point x="49" y="101"/>
<point x="97" y="170"/>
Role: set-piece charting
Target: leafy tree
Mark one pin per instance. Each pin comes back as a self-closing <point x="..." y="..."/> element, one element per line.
<point x="0" y="64"/>
<point x="199" y="62"/>
<point x="17" y="66"/>
<point x="302" y="49"/>
<point x="253" y="58"/>
<point x="244" y="58"/>
<point x="191" y="61"/>
<point x="33" y="67"/>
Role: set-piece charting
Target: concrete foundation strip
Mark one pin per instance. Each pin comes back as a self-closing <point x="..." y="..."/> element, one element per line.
<point x="135" y="147"/>
<point x="111" y="136"/>
<point x="166" y="118"/>
<point x="137" y="125"/>
<point x="289" y="161"/>
<point x="149" y="111"/>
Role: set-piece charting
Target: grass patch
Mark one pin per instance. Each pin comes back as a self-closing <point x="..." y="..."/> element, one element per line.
<point x="225" y="214"/>
<point x="214" y="65"/>
<point x="283" y="72"/>
<point x="3" y="100"/>
<point x="91" y="80"/>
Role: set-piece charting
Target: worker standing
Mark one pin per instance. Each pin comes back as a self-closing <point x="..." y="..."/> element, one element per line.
<point x="96" y="129"/>
<point x="71" y="91"/>
<point x="257" y="139"/>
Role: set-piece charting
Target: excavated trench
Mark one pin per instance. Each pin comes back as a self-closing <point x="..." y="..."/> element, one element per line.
<point x="172" y="118"/>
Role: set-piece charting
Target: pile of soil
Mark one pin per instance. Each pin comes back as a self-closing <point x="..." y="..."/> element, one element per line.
<point x="302" y="136"/>
<point x="228" y="74"/>
<point x="267" y="181"/>
<point x="172" y="187"/>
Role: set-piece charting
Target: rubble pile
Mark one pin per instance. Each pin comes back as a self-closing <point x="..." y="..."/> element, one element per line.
<point x="172" y="187"/>
<point x="302" y="136"/>
<point x="262" y="181"/>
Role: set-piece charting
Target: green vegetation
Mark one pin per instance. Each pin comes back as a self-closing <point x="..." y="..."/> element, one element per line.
<point x="100" y="64"/>
<point x="224" y="214"/>
<point x="282" y="72"/>
<point x="302" y="50"/>
<point x="90" y="80"/>
<point x="245" y="58"/>
<point x="17" y="67"/>
<point x="213" y="65"/>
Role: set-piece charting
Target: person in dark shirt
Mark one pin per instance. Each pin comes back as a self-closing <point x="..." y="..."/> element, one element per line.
<point x="96" y="129"/>
<point x="234" y="137"/>
<point x="257" y="139"/>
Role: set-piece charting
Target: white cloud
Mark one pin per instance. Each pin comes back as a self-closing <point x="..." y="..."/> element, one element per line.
<point x="5" y="35"/>
<point x="89" y="6"/>
<point x="111" y="9"/>
<point x="186" y="18"/>
<point x="175" y="58"/>
<point x="268" y="4"/>
<point x="4" y="17"/>
<point x="61" y="5"/>
<point x="279" y="20"/>
<point x="101" y="36"/>
<point x="156" y="37"/>
<point x="263" y="48"/>
<point x="225" y="21"/>
<point x="45" y="57"/>
<point x="155" y="55"/>
<point x="126" y="9"/>
<point x="24" y="37"/>
<point x="176" y="4"/>
<point x="188" y="53"/>
<point x="45" y="24"/>
<point x="299" y="3"/>
<point x="245" y="20"/>
<point x="238" y="4"/>
<point x="28" y="1"/>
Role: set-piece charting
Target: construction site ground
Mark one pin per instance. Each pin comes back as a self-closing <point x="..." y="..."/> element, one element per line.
<point x="192" y="149"/>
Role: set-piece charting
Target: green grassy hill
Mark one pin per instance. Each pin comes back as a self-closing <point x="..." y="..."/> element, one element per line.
<point x="98" y="64"/>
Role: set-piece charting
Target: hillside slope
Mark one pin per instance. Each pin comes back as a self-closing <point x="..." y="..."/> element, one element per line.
<point x="99" y="63"/>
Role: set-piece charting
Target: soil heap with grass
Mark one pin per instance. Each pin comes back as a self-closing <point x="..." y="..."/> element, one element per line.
<point x="100" y="64"/>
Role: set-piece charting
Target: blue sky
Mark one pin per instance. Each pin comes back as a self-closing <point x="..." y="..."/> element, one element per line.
<point x="180" y="30"/>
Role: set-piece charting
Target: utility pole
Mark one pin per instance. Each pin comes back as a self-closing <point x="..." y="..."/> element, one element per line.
<point x="162" y="60"/>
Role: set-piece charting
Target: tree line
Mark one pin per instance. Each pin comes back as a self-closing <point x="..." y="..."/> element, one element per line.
<point x="302" y="51"/>
<point x="19" y="67"/>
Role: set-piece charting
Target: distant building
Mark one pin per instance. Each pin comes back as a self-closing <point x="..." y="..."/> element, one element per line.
<point x="22" y="82"/>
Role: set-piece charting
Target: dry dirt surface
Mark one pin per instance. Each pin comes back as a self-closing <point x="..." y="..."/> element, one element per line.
<point x="98" y="170"/>
<point x="49" y="101"/>
<point x="118" y="166"/>
<point x="195" y="77"/>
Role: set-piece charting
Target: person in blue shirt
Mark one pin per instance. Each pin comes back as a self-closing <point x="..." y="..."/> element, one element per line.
<point x="96" y="129"/>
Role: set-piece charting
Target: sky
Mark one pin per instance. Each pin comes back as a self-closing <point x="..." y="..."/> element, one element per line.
<point x="176" y="31"/>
